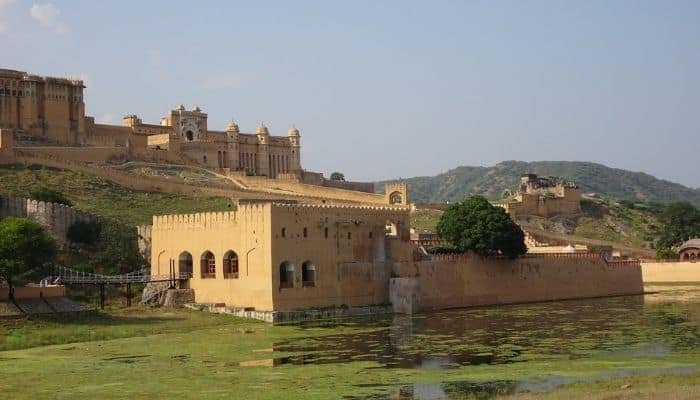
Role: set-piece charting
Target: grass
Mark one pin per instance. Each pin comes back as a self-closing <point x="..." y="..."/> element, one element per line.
<point x="144" y="353"/>
<point x="96" y="195"/>
<point x="425" y="219"/>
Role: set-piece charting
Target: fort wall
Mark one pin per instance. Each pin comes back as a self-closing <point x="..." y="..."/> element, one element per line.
<point x="34" y="292"/>
<point x="346" y="246"/>
<point x="671" y="271"/>
<point x="536" y="204"/>
<point x="465" y="282"/>
<point x="56" y="218"/>
<point x="245" y="231"/>
<point x="79" y="154"/>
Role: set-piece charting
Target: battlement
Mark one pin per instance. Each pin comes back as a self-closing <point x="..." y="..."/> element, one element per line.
<point x="361" y="207"/>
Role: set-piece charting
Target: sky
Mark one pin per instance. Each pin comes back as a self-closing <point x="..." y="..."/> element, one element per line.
<point x="390" y="89"/>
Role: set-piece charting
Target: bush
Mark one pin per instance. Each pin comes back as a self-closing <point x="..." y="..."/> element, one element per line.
<point x="442" y="249"/>
<point x="666" y="254"/>
<point x="84" y="232"/>
<point x="50" y="195"/>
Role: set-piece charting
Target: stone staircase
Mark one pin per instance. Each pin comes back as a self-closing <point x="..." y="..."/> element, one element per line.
<point x="34" y="306"/>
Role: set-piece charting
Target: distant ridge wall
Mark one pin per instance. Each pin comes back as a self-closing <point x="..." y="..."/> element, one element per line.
<point x="56" y="218"/>
<point x="260" y="188"/>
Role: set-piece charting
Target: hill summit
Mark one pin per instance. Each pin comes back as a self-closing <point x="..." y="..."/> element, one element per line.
<point x="463" y="181"/>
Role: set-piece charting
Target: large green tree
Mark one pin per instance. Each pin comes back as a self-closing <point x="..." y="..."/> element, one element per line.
<point x="116" y="250"/>
<point x="477" y="225"/>
<point x="337" y="176"/>
<point x="680" y="221"/>
<point x="26" y="251"/>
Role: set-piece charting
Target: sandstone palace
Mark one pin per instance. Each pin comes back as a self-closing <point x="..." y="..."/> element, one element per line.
<point x="51" y="111"/>
<point x="294" y="240"/>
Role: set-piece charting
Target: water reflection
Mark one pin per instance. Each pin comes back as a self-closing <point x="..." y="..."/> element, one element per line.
<point x="492" y="335"/>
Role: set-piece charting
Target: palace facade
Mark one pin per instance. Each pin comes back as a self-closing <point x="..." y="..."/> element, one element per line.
<point x="50" y="111"/>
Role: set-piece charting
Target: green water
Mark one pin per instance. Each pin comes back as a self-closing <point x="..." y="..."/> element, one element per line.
<point x="607" y="329"/>
<point x="467" y="353"/>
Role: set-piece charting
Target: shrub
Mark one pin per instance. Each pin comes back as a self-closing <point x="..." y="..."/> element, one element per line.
<point x="442" y="249"/>
<point x="50" y="195"/>
<point x="84" y="232"/>
<point x="666" y="254"/>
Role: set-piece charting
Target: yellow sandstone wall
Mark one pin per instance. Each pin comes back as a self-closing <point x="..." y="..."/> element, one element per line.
<point x="246" y="232"/>
<point x="349" y="261"/>
<point x="474" y="282"/>
<point x="78" y="154"/>
<point x="671" y="272"/>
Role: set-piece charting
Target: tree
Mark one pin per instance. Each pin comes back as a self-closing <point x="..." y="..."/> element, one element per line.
<point x="26" y="251"/>
<point x="50" y="195"/>
<point x="117" y="250"/>
<point x="84" y="232"/>
<point x="337" y="176"/>
<point x="476" y="225"/>
<point x="680" y="221"/>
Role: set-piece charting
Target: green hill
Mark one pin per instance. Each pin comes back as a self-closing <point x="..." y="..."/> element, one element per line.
<point x="458" y="183"/>
<point x="98" y="196"/>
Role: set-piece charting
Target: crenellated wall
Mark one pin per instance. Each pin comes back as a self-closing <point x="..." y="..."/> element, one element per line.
<point x="56" y="218"/>
<point x="245" y="232"/>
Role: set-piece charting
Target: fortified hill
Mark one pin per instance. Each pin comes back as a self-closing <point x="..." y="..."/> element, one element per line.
<point x="43" y="121"/>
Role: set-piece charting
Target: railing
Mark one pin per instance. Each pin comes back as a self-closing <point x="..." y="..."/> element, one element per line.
<point x="208" y="275"/>
<point x="231" y="275"/>
<point x="66" y="275"/>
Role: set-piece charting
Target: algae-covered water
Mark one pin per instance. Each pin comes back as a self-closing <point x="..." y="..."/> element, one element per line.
<point x="467" y="353"/>
<point x="662" y="326"/>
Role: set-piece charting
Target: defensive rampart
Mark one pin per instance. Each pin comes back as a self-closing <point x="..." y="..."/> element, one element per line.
<point x="671" y="271"/>
<point x="473" y="281"/>
<point x="56" y="218"/>
<point x="252" y="188"/>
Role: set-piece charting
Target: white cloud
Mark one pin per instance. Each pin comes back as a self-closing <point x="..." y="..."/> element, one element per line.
<point x="48" y="16"/>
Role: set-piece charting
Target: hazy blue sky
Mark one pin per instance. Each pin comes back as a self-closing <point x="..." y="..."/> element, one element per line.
<point x="384" y="89"/>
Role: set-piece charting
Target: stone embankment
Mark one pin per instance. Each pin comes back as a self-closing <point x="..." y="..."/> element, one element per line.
<point x="43" y="306"/>
<point x="291" y="316"/>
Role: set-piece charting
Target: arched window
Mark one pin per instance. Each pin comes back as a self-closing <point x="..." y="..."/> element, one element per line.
<point x="184" y="264"/>
<point x="207" y="265"/>
<point x="308" y="274"/>
<point x="325" y="232"/>
<point x="395" y="198"/>
<point x="306" y="232"/>
<point x="286" y="275"/>
<point x="284" y="232"/>
<point x="189" y="135"/>
<point x="230" y="265"/>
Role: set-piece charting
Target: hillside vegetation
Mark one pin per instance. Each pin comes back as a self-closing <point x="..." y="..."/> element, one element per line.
<point x="98" y="196"/>
<point x="458" y="183"/>
<point x="626" y="223"/>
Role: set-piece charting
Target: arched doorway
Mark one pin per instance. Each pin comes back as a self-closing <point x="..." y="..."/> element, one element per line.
<point x="308" y="274"/>
<point x="189" y="135"/>
<point x="286" y="275"/>
<point x="395" y="198"/>
<point x="184" y="264"/>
